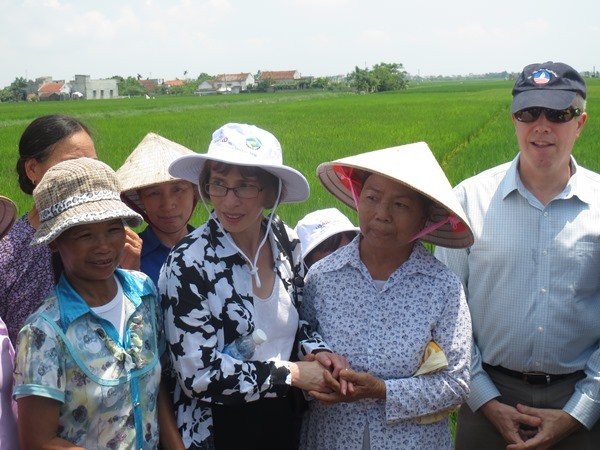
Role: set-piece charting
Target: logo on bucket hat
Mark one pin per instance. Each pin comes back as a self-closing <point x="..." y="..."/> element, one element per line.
<point x="253" y="143"/>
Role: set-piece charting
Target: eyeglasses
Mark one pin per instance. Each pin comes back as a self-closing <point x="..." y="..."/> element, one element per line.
<point x="218" y="190"/>
<point x="553" y="115"/>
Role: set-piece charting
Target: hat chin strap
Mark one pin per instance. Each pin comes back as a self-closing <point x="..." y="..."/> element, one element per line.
<point x="453" y="220"/>
<point x="252" y="263"/>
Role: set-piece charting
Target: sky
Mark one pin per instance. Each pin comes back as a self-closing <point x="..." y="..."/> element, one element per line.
<point x="172" y="39"/>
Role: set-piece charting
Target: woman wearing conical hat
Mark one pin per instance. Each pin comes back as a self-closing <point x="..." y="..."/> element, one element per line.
<point x="380" y="301"/>
<point x="166" y="203"/>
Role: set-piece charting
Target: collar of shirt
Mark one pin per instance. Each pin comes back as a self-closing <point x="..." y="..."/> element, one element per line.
<point x="72" y="305"/>
<point x="418" y="261"/>
<point x="152" y="242"/>
<point x="575" y="187"/>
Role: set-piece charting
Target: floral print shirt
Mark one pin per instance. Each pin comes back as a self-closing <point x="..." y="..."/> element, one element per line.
<point x="27" y="276"/>
<point x="206" y="294"/>
<point x="107" y="389"/>
<point x="385" y="332"/>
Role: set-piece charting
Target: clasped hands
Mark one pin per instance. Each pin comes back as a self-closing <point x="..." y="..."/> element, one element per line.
<point x="524" y="427"/>
<point x="327" y="377"/>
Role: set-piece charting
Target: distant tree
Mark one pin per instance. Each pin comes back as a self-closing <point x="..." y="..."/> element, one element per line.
<point x="362" y="80"/>
<point x="382" y="77"/>
<point x="320" y="83"/>
<point x="16" y="92"/>
<point x="389" y="77"/>
<point x="188" y="88"/>
<point x="131" y="86"/>
<point x="203" y="77"/>
<point x="264" y="85"/>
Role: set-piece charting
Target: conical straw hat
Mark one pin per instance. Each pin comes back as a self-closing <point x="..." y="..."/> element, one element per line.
<point x="148" y="165"/>
<point x="412" y="165"/>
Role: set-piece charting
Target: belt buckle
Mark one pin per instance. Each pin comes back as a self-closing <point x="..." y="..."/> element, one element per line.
<point x="536" y="378"/>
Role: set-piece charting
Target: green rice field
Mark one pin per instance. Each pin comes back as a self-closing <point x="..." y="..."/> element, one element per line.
<point x="466" y="124"/>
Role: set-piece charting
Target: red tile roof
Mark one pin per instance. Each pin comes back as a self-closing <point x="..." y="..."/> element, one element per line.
<point x="50" y="88"/>
<point x="278" y="75"/>
<point x="232" y="77"/>
<point x="175" y="82"/>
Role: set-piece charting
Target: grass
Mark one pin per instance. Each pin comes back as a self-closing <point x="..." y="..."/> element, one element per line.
<point x="466" y="124"/>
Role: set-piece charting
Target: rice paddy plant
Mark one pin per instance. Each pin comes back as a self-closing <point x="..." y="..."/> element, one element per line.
<point x="466" y="124"/>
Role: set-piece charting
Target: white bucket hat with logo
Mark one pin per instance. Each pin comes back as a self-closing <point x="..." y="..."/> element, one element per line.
<point x="77" y="192"/>
<point x="147" y="166"/>
<point x="8" y="213"/>
<point x="245" y="145"/>
<point x="412" y="165"/>
<point x="318" y="226"/>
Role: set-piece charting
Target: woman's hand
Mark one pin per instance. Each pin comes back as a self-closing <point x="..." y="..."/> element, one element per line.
<point x="130" y="258"/>
<point x="310" y="376"/>
<point x="364" y="385"/>
<point x="335" y="363"/>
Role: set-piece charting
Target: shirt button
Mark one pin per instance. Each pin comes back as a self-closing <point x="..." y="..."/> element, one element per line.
<point x="537" y="364"/>
<point x="370" y="351"/>
<point x="543" y="290"/>
<point x="137" y="404"/>
<point x="541" y="329"/>
<point x="545" y="252"/>
<point x="545" y="213"/>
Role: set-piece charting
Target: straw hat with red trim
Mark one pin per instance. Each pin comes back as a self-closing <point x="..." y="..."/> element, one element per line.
<point x="412" y="165"/>
<point x="8" y="213"/>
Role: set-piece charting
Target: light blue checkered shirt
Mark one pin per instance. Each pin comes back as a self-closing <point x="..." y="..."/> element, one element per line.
<point x="533" y="281"/>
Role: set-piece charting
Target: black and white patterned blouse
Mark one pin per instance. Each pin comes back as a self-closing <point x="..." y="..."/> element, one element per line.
<point x="206" y="294"/>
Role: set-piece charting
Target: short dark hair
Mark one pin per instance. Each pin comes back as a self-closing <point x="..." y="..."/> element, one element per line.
<point x="268" y="181"/>
<point x="38" y="140"/>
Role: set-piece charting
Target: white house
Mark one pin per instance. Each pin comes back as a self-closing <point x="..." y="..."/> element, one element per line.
<point x="94" y="89"/>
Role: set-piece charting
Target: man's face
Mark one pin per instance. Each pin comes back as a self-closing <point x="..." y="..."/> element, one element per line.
<point x="546" y="146"/>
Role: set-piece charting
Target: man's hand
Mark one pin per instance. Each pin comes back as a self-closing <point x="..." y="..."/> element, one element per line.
<point x="508" y="420"/>
<point x="554" y="427"/>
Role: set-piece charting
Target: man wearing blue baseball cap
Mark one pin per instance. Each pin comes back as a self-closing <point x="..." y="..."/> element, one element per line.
<point x="532" y="279"/>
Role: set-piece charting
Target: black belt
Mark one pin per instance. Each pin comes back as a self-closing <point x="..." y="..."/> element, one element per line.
<point x="531" y="377"/>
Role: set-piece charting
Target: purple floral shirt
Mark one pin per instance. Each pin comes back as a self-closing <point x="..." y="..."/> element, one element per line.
<point x="384" y="332"/>
<point x="27" y="276"/>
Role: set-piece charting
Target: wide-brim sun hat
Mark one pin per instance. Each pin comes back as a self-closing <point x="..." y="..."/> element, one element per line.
<point x="8" y="213"/>
<point x="147" y="166"/>
<point x="245" y="145"/>
<point x="78" y="192"/>
<point x="318" y="226"/>
<point x="414" y="166"/>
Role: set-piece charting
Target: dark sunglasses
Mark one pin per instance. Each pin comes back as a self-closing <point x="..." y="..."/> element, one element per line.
<point x="553" y="115"/>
